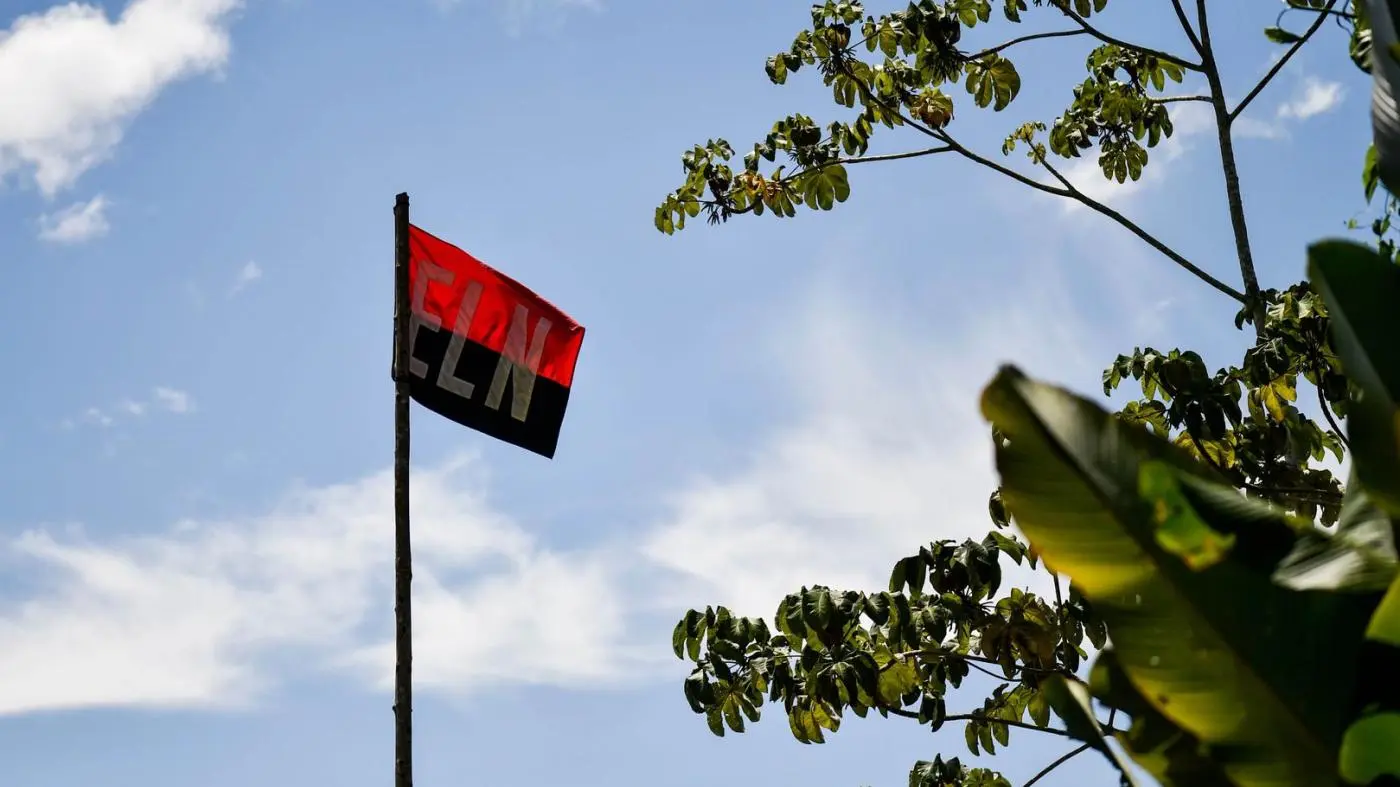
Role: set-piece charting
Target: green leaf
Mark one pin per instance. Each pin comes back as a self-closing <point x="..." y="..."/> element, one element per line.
<point x="678" y="636"/>
<point x="1362" y="291"/>
<point x="1039" y="709"/>
<point x="714" y="717"/>
<point x="993" y="80"/>
<point x="1370" y="173"/>
<point x="732" y="716"/>
<point x="1215" y="650"/>
<point x="895" y="681"/>
<point x="1180" y="530"/>
<point x="1280" y="36"/>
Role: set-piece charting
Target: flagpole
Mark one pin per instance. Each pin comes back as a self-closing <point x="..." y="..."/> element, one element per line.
<point x="403" y="555"/>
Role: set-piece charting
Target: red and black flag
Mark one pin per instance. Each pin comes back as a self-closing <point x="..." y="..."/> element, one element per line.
<point x="484" y="350"/>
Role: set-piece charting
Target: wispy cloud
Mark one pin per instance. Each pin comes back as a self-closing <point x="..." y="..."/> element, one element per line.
<point x="190" y="616"/>
<point x="520" y="14"/>
<point x="173" y="400"/>
<point x="71" y="79"/>
<point x="205" y="613"/>
<point x="81" y="221"/>
<point x="1313" y="97"/>
<point x="884" y="449"/>
<point x="248" y="274"/>
<point x="165" y="399"/>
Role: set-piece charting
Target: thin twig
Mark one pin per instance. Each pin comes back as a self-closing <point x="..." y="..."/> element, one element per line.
<point x="1057" y="763"/>
<point x="1023" y="39"/>
<point x="1186" y="26"/>
<point x="1283" y="61"/>
<point x="1170" y="253"/>
<point x="1108" y="39"/>
<point x="1332" y="422"/>
<point x="969" y="657"/>
<point x="1171" y="99"/>
<point x="842" y="161"/>
<point x="1008" y="722"/>
<point x="1069" y="189"/>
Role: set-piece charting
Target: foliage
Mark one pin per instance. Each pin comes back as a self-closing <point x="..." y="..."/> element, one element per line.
<point x="1202" y="588"/>
<point x="1137" y="508"/>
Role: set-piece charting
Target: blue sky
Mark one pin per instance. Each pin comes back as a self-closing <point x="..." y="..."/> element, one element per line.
<point x="195" y="238"/>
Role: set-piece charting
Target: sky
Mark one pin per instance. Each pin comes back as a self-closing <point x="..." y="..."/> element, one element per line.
<point x="196" y="250"/>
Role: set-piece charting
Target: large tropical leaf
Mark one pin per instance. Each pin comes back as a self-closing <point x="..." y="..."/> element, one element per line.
<point x="1371" y="746"/>
<point x="1362" y="291"/>
<point x="1173" y="756"/>
<point x="1216" y="649"/>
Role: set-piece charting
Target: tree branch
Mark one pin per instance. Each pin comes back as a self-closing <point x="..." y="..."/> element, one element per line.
<point x="1186" y="26"/>
<point x="1283" y="61"/>
<point x="1171" y="99"/>
<point x="1057" y="763"/>
<point x="842" y="161"/>
<point x="893" y="156"/>
<point x="1332" y="422"/>
<point x="1108" y="39"/>
<point x="1023" y="39"/>
<point x="1068" y="190"/>
<point x="1233" y="195"/>
<point x="1125" y="222"/>
<point x="982" y="659"/>
<point x="1007" y="722"/>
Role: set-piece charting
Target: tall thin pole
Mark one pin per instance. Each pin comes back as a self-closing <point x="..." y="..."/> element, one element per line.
<point x="403" y="550"/>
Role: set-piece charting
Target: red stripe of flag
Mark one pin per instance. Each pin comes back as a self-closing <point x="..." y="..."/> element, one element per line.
<point x="441" y="298"/>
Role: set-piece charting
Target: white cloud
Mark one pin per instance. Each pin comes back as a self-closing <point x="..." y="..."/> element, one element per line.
<point x="95" y="416"/>
<point x="71" y="79"/>
<point x="1313" y="97"/>
<point x="517" y="14"/>
<point x="76" y="223"/>
<point x="887" y="450"/>
<point x="195" y="615"/>
<point x="884" y="450"/>
<point x="170" y="400"/>
<point x="248" y="274"/>
<point x="173" y="400"/>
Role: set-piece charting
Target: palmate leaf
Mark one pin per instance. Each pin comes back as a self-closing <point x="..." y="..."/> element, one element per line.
<point x="1215" y="651"/>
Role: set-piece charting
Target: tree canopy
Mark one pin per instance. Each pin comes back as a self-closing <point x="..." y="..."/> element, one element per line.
<point x="1196" y="524"/>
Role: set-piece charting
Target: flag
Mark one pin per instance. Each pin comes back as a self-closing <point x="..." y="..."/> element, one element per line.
<point x="485" y="351"/>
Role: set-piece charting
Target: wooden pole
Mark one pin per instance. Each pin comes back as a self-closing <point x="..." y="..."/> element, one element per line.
<point x="403" y="554"/>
